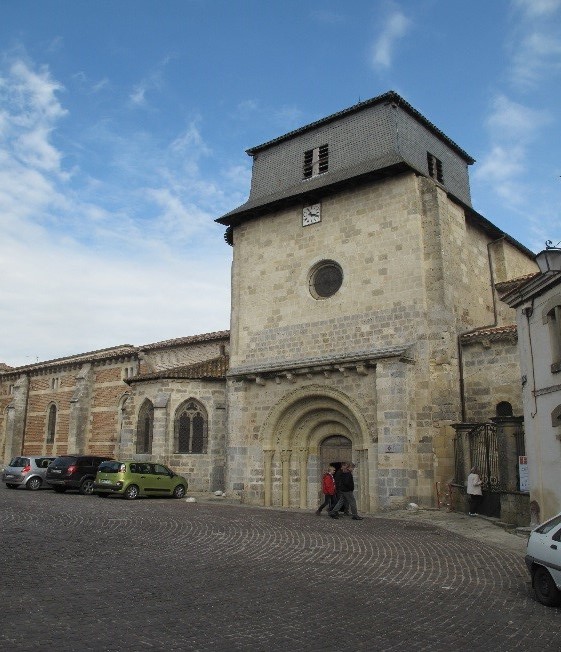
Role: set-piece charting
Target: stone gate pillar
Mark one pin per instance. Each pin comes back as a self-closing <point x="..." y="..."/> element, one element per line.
<point x="463" y="450"/>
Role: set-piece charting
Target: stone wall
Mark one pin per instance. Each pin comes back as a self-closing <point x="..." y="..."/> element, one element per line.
<point x="491" y="374"/>
<point x="205" y="471"/>
<point x="416" y="275"/>
<point x="373" y="234"/>
<point x="89" y="398"/>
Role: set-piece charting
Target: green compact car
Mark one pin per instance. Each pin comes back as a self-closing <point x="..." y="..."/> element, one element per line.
<point x="133" y="479"/>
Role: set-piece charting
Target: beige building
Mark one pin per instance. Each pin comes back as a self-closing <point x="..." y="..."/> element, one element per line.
<point x="364" y="323"/>
<point x="537" y="300"/>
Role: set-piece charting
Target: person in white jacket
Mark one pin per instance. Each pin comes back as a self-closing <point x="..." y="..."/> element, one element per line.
<point x="475" y="495"/>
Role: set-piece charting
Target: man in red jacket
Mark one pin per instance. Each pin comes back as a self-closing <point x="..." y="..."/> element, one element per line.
<point x="328" y="489"/>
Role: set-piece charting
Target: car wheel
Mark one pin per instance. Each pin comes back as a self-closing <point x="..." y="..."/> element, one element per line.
<point x="60" y="490"/>
<point x="131" y="492"/>
<point x="545" y="589"/>
<point x="179" y="491"/>
<point x="86" y="488"/>
<point x="33" y="484"/>
<point x="11" y="486"/>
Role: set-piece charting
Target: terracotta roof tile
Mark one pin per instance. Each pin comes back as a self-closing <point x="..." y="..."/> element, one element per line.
<point x="508" y="286"/>
<point x="191" y="339"/>
<point x="495" y="332"/>
<point x="213" y="369"/>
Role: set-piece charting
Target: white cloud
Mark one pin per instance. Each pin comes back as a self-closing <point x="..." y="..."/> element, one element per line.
<point x="190" y="143"/>
<point x="535" y="8"/>
<point x="501" y="168"/>
<point x="152" y="81"/>
<point x="395" y="28"/>
<point x="66" y="299"/>
<point x="512" y="128"/>
<point x="536" y="42"/>
<point x="510" y="167"/>
<point x="94" y="261"/>
<point x="512" y="121"/>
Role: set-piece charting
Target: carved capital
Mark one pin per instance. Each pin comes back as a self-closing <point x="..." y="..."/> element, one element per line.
<point x="285" y="456"/>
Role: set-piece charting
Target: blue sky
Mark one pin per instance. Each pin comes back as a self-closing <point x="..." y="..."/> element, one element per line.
<point x="124" y="125"/>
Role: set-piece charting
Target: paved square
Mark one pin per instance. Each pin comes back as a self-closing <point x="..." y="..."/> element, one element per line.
<point x="83" y="573"/>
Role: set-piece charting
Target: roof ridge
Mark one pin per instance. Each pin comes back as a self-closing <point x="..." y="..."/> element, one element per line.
<point x="178" y="341"/>
<point x="389" y="96"/>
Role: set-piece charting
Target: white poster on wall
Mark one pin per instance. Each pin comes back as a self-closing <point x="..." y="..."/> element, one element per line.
<point x="523" y="473"/>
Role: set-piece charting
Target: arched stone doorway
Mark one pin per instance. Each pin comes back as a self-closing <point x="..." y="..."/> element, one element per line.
<point x="294" y="433"/>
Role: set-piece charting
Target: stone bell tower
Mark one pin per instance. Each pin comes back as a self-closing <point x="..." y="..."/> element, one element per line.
<point x="358" y="260"/>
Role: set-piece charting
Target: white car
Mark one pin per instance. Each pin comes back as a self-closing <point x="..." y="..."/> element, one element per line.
<point x="543" y="558"/>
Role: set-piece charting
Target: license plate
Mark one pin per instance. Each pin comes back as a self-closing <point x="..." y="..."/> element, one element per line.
<point x="106" y="482"/>
<point x="9" y="475"/>
<point x="56" y="471"/>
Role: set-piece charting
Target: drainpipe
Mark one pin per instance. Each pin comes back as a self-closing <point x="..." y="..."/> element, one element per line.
<point x="473" y="330"/>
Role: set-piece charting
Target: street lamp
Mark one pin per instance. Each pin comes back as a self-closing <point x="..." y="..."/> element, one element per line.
<point x="549" y="260"/>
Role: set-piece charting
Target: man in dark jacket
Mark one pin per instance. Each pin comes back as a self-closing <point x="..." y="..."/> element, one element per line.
<point x="345" y="489"/>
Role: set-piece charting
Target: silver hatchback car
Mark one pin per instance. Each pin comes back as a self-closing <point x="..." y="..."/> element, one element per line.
<point x="26" y="470"/>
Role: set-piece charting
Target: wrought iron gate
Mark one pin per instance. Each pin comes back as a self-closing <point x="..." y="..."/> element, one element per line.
<point x="484" y="449"/>
<point x="485" y="455"/>
<point x="488" y="446"/>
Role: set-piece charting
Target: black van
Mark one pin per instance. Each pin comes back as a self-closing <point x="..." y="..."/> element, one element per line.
<point x="74" y="472"/>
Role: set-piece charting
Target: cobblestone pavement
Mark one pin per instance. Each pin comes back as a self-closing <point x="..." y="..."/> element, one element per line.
<point x="82" y="573"/>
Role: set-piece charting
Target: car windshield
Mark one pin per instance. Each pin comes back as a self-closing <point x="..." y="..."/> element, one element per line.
<point x="20" y="461"/>
<point x="111" y="467"/>
<point x="549" y="525"/>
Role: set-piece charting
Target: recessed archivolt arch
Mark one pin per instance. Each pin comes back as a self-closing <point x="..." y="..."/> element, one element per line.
<point x="295" y="428"/>
<point x="315" y="426"/>
<point x="290" y="423"/>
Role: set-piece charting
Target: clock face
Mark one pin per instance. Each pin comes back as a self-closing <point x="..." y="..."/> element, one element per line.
<point x="311" y="214"/>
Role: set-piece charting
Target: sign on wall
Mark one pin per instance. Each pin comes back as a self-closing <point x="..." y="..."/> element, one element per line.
<point x="523" y="473"/>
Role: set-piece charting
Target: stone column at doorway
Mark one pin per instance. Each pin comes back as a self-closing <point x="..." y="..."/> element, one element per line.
<point x="285" y="459"/>
<point x="303" y="478"/>
<point x="268" y="479"/>
<point x="363" y="472"/>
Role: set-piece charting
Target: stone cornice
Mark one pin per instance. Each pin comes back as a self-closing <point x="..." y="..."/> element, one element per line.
<point x="358" y="361"/>
<point x="103" y="356"/>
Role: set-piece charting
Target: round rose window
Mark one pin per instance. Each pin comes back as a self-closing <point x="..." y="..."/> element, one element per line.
<point x="325" y="279"/>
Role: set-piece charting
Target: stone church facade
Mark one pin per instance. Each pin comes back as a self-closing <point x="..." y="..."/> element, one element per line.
<point x="365" y="322"/>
